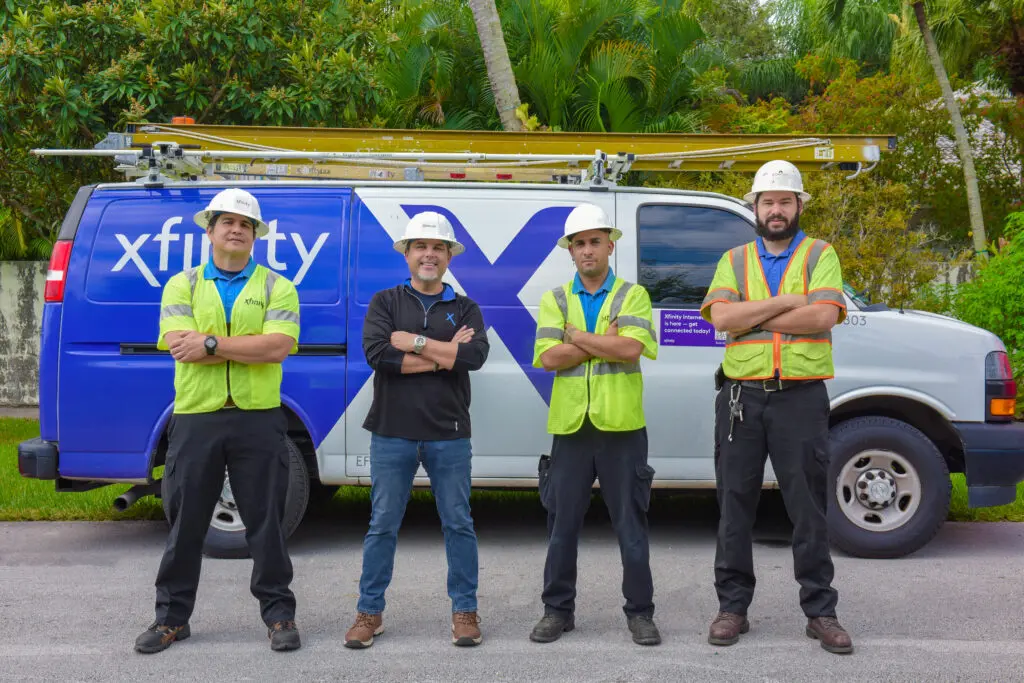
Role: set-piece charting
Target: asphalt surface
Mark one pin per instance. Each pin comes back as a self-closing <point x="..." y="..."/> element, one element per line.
<point x="73" y="596"/>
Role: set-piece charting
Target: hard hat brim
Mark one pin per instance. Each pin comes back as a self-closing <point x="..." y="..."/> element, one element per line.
<point x="751" y="196"/>
<point x="202" y="219"/>
<point x="456" y="247"/>
<point x="615" y="236"/>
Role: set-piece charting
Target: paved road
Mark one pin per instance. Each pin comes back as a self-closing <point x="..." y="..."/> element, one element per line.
<point x="73" y="596"/>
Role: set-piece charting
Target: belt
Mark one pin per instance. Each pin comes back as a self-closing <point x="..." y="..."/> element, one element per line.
<point x="229" y="403"/>
<point x="771" y="385"/>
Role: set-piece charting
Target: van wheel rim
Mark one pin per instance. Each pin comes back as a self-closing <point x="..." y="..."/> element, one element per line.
<point x="225" y="514"/>
<point x="878" y="490"/>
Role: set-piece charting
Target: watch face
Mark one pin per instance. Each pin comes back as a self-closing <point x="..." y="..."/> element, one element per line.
<point x="210" y="342"/>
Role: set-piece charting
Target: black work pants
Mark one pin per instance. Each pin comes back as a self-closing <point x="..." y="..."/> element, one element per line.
<point x="792" y="427"/>
<point x="251" y="445"/>
<point x="619" y="462"/>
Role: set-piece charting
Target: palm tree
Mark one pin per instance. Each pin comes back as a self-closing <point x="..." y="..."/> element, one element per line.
<point x="963" y="143"/>
<point x="499" y="69"/>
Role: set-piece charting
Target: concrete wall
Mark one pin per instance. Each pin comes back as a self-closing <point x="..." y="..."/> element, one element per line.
<point x="21" y="315"/>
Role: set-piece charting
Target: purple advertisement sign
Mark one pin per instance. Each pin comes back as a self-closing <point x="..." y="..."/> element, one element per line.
<point x="687" y="328"/>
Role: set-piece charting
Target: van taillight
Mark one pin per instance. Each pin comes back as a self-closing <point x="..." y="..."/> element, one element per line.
<point x="1000" y="388"/>
<point x="57" y="275"/>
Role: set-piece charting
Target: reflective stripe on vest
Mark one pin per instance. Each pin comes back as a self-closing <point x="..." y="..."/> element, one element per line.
<point x="763" y="355"/>
<point x="610" y="394"/>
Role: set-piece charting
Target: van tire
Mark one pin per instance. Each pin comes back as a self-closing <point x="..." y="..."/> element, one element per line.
<point x="863" y="446"/>
<point x="231" y="544"/>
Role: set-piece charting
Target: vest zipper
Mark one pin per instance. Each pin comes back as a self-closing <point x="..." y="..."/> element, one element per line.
<point x="227" y="363"/>
<point x="777" y="353"/>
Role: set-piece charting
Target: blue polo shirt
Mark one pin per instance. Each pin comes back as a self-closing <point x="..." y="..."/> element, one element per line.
<point x="228" y="286"/>
<point x="775" y="266"/>
<point x="592" y="302"/>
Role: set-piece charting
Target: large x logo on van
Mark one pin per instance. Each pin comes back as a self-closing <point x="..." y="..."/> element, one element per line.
<point x="495" y="286"/>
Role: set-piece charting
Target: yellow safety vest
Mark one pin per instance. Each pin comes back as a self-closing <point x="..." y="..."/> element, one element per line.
<point x="814" y="271"/>
<point x="268" y="303"/>
<point x="610" y="393"/>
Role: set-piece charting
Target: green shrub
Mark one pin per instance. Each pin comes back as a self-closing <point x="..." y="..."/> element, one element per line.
<point x="994" y="298"/>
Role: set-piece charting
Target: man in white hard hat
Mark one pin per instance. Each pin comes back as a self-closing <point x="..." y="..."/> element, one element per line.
<point x="778" y="298"/>
<point x="591" y="332"/>
<point x="422" y="340"/>
<point x="228" y="325"/>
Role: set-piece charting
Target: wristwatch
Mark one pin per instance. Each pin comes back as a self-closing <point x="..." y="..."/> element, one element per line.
<point x="211" y="345"/>
<point x="418" y="343"/>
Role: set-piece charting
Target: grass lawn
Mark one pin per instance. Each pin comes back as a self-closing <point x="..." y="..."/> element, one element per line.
<point x="31" y="499"/>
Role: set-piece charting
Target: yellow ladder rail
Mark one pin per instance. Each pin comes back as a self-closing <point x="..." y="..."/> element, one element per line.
<point x="655" y="152"/>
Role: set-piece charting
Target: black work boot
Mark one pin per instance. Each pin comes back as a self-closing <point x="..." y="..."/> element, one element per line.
<point x="284" y="635"/>
<point x="551" y="627"/>
<point x="159" y="637"/>
<point x="643" y="629"/>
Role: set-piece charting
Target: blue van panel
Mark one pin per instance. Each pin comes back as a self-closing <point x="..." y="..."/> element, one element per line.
<point x="112" y="385"/>
<point x="49" y="352"/>
<point x="375" y="266"/>
<point x="103" y="466"/>
<point x="314" y="387"/>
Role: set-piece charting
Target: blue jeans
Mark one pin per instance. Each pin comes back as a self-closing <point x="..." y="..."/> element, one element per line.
<point x="393" y="464"/>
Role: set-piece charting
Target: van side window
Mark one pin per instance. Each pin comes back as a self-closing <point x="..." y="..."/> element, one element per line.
<point x="680" y="247"/>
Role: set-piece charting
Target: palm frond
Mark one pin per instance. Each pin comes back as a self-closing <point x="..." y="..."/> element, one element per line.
<point x="762" y="79"/>
<point x="677" y="122"/>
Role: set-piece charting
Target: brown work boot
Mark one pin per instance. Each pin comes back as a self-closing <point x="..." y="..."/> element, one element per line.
<point x="362" y="632"/>
<point x="833" y="637"/>
<point x="466" y="629"/>
<point x="727" y="627"/>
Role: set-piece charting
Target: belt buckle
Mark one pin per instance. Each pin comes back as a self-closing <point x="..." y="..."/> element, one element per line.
<point x="766" y="384"/>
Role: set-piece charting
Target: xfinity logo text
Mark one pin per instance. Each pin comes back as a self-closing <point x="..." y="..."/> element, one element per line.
<point x="133" y="250"/>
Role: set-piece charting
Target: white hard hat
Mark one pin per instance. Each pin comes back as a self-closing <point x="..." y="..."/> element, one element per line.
<point x="587" y="217"/>
<point x="233" y="200"/>
<point x="777" y="176"/>
<point x="429" y="225"/>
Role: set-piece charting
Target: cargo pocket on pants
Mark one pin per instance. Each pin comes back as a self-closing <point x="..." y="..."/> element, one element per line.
<point x="642" y="489"/>
<point x="544" y="481"/>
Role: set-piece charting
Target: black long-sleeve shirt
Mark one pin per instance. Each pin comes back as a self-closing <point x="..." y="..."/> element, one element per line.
<point x="424" y="406"/>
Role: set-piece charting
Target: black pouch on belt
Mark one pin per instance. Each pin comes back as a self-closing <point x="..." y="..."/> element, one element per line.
<point x="719" y="378"/>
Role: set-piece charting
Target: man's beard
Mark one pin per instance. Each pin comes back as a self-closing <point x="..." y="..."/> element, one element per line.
<point x="429" y="277"/>
<point x="778" y="235"/>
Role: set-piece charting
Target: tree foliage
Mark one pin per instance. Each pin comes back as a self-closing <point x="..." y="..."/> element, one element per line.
<point x="595" y="65"/>
<point x="70" y="72"/>
<point x="924" y="159"/>
<point x="994" y="298"/>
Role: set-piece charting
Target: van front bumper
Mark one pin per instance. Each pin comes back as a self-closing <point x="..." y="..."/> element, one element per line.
<point x="37" y="459"/>
<point x="994" y="461"/>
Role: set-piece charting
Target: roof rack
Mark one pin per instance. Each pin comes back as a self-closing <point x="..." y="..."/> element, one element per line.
<point x="157" y="153"/>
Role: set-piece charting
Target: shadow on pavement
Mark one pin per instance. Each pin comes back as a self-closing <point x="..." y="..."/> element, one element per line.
<point x="507" y="514"/>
